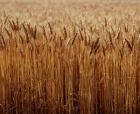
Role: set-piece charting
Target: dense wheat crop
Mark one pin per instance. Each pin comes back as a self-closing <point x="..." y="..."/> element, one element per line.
<point x="69" y="57"/>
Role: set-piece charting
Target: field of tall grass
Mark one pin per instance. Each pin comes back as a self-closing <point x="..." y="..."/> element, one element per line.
<point x="69" y="57"/>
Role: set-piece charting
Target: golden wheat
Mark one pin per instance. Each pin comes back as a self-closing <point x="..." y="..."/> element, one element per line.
<point x="74" y="65"/>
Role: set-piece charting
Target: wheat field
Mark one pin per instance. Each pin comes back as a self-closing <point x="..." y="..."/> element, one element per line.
<point x="69" y="57"/>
